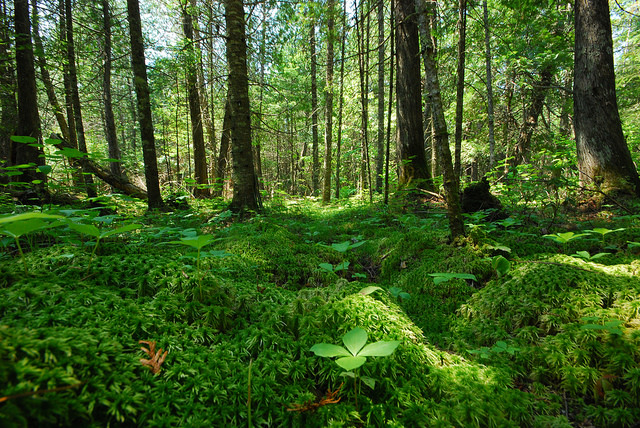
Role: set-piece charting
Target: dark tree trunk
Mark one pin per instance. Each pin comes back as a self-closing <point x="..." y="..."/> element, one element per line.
<point x="381" y="106"/>
<point x="328" y="133"/>
<point x="462" y="41"/>
<point x="246" y="197"/>
<point x="603" y="155"/>
<point x="489" y="81"/>
<point x="223" y="157"/>
<point x="197" y="133"/>
<point x="144" y="106"/>
<point x="109" y="120"/>
<point x="28" y="116"/>
<point x="413" y="163"/>
<point x="343" y="41"/>
<point x="75" y="95"/>
<point x="315" y="167"/>
<point x="8" y="90"/>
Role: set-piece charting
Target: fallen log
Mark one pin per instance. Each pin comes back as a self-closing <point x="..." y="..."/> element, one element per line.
<point x="81" y="160"/>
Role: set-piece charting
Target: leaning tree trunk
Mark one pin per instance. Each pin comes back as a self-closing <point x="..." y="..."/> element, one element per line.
<point x="246" y="197"/>
<point x="28" y="116"/>
<point x="141" y="84"/>
<point x="603" y="155"/>
<point x="413" y="163"/>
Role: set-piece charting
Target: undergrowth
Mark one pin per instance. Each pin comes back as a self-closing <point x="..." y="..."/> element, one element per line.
<point x="549" y="339"/>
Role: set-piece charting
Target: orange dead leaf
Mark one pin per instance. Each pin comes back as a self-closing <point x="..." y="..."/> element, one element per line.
<point x="155" y="358"/>
<point x="312" y="406"/>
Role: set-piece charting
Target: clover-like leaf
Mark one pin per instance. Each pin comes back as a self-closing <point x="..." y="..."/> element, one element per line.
<point x="368" y="290"/>
<point x="379" y="349"/>
<point x="355" y="340"/>
<point x="329" y="350"/>
<point x="350" y="363"/>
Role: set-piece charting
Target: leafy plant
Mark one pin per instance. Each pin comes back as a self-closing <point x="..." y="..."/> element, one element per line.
<point x="501" y="265"/>
<point x="156" y="358"/>
<point x="602" y="231"/>
<point x="499" y="347"/>
<point x="355" y="354"/>
<point x="399" y="294"/>
<point x="440" y="277"/>
<point x="563" y="238"/>
<point x="586" y="256"/>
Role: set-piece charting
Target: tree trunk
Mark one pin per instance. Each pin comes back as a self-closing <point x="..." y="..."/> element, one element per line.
<point x="451" y="181"/>
<point x="28" y="116"/>
<point x="75" y="95"/>
<point x="413" y="163"/>
<point x="392" y="56"/>
<point x="462" y="41"/>
<point x="197" y="133"/>
<point x="109" y="120"/>
<point x="246" y="197"/>
<point x="8" y="90"/>
<point x="328" y="133"/>
<point x="381" y="106"/>
<point x="315" y="167"/>
<point x="603" y="155"/>
<point x="223" y="157"/>
<point x="343" y="42"/>
<point x="489" y="81"/>
<point x="144" y="106"/>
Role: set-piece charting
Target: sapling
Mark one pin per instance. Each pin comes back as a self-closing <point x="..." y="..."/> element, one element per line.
<point x="602" y="231"/>
<point x="355" y="354"/>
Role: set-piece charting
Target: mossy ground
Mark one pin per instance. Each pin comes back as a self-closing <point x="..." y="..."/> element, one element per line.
<point x="552" y="342"/>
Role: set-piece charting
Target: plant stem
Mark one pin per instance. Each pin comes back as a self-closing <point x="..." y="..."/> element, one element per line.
<point x="24" y="262"/>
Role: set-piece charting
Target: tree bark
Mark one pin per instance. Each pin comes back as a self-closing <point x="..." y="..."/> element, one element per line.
<point x="328" y="133"/>
<point x="28" y="116"/>
<point x="246" y="197"/>
<point x="8" y="90"/>
<point x="462" y="41"/>
<point x="603" y="155"/>
<point x="195" y="112"/>
<point x="489" y="81"/>
<point x="451" y="181"/>
<point x="413" y="163"/>
<point x="315" y="166"/>
<point x="75" y="95"/>
<point x="381" y="106"/>
<point x="141" y="85"/>
<point x="343" y="42"/>
<point x="223" y="157"/>
<point x="109" y="120"/>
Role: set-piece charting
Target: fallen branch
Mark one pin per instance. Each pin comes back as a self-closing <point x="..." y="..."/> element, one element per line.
<point x="39" y="392"/>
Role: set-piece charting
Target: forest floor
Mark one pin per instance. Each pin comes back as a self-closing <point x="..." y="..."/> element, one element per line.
<point x="530" y="321"/>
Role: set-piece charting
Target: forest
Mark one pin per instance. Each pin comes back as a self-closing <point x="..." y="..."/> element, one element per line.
<point x="323" y="213"/>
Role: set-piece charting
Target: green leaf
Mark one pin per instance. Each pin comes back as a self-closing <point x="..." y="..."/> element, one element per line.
<point x="329" y="350"/>
<point x="357" y="244"/>
<point x="27" y="216"/>
<point x="45" y="169"/>
<point x="440" y="277"/>
<point x="352" y="375"/>
<point x="197" y="242"/>
<point x="351" y="363"/>
<point x="370" y="382"/>
<point x="379" y="349"/>
<point x="563" y="238"/>
<point x="341" y="247"/>
<point x="85" y="229"/>
<point x="19" y="228"/>
<point x="501" y="265"/>
<point x="23" y="139"/>
<point x="368" y="290"/>
<point x="326" y="266"/>
<point x="355" y="340"/>
<point x="341" y="266"/>
<point x="123" y="229"/>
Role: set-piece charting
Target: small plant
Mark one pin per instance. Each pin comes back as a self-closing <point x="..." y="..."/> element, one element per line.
<point x="334" y="269"/>
<point x="439" y="278"/>
<point x="586" y="256"/>
<point x="564" y="238"/>
<point x="499" y="347"/>
<point x="501" y="265"/>
<point x="602" y="231"/>
<point x="355" y="354"/>
<point x="156" y="358"/>
<point x="399" y="294"/>
<point x="612" y="327"/>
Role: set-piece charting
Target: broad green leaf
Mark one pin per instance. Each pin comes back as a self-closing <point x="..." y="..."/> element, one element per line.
<point x="350" y="363"/>
<point x="501" y="265"/>
<point x="604" y="230"/>
<point x="583" y="255"/>
<point x="329" y="350"/>
<point x="444" y="277"/>
<point x="196" y="242"/>
<point x="45" y="169"/>
<point x="368" y="290"/>
<point x="355" y="340"/>
<point x="85" y="229"/>
<point x="563" y="238"/>
<point x="341" y="266"/>
<point x="357" y="244"/>
<point x="379" y="349"/>
<point x="19" y="228"/>
<point x="599" y="255"/>
<point x="123" y="229"/>
<point x="352" y="375"/>
<point x="326" y="266"/>
<point x="370" y="382"/>
<point x="341" y="247"/>
<point x="23" y="139"/>
<point x="27" y="216"/>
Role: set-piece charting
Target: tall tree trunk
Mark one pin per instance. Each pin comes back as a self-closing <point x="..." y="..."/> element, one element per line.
<point x="343" y="42"/>
<point x="531" y="116"/>
<point x="144" y="106"/>
<point x="223" y="157"/>
<point x="413" y="164"/>
<point x="75" y="95"/>
<point x="363" y="63"/>
<point x="489" y="81"/>
<point x="603" y="155"/>
<point x="328" y="133"/>
<point x="28" y="116"/>
<point x="451" y="181"/>
<point x="315" y="167"/>
<point x="392" y="56"/>
<point x="381" y="106"/>
<point x="257" y="134"/>
<point x="109" y="119"/>
<point x="40" y="58"/>
<point x="245" y="184"/>
<point x="8" y="90"/>
<point x="462" y="41"/>
<point x="197" y="133"/>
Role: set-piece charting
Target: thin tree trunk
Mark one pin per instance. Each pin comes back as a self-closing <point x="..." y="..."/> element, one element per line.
<point x="144" y="106"/>
<point x="489" y="81"/>
<point x="462" y="41"/>
<point x="223" y="157"/>
<point x="390" y="108"/>
<point x="197" y="134"/>
<point x="328" y="134"/>
<point x="8" y="90"/>
<point x="109" y="120"/>
<point x="246" y="197"/>
<point x="343" y="42"/>
<point x="365" y="171"/>
<point x="381" y="106"/>
<point x="73" y="138"/>
<point x="315" y="167"/>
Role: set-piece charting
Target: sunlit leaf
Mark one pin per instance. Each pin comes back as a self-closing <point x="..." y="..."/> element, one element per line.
<point x="379" y="349"/>
<point x="329" y="350"/>
<point x="350" y="363"/>
<point x="355" y="340"/>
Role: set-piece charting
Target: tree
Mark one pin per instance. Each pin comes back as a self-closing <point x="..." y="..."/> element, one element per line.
<point x="28" y="115"/>
<point x="603" y="155"/>
<point x="328" y="133"/>
<point x="381" y="107"/>
<point x="413" y="163"/>
<point x="197" y="133"/>
<point x="141" y="85"/>
<point x="488" y="81"/>
<point x="8" y="103"/>
<point x="109" y="119"/>
<point x="315" y="167"/>
<point x="462" y="40"/>
<point x="245" y="184"/>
